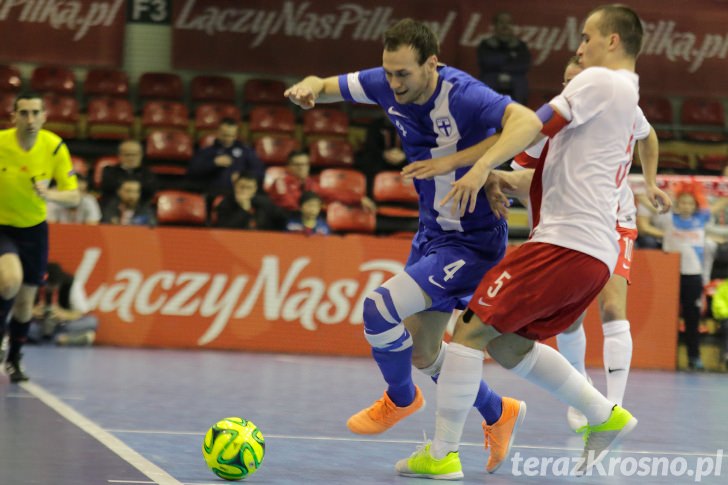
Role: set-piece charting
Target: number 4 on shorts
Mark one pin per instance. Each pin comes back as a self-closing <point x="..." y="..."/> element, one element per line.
<point x="452" y="268"/>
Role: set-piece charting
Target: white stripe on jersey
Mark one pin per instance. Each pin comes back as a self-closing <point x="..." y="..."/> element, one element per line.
<point x="446" y="144"/>
<point x="356" y="89"/>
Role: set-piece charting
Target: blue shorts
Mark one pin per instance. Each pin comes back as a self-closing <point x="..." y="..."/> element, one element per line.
<point x="31" y="246"/>
<point x="449" y="266"/>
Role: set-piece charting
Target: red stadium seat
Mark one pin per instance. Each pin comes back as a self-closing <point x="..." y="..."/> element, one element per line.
<point x="165" y="114"/>
<point x="703" y="120"/>
<point x="109" y="118"/>
<point x="7" y="106"/>
<point x="271" y="175"/>
<point x="331" y="152"/>
<point x="343" y="218"/>
<point x="395" y="197"/>
<point x="658" y="111"/>
<point x="344" y="185"/>
<point x="674" y="161"/>
<point x="160" y="85"/>
<point x="713" y="162"/>
<point x="79" y="166"/>
<point x="325" y="121"/>
<point x="274" y="149"/>
<point x="169" y="145"/>
<point x="272" y="119"/>
<point x="264" y="91"/>
<point x="53" y="79"/>
<point x="106" y="82"/>
<point x="209" y="115"/>
<point x="176" y="207"/>
<point x="10" y="80"/>
<point x="61" y="115"/>
<point x="206" y="140"/>
<point x="389" y="186"/>
<point x="212" y="89"/>
<point x="99" y="166"/>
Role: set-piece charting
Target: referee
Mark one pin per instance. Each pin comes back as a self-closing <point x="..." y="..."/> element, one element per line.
<point x="30" y="158"/>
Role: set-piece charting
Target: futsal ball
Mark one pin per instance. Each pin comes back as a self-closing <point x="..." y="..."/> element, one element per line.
<point x="233" y="448"/>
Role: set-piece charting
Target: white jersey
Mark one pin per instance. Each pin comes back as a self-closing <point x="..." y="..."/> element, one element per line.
<point x="576" y="193"/>
<point x="627" y="212"/>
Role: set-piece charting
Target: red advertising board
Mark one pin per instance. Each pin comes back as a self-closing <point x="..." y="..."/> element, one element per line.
<point x="685" y="50"/>
<point x="197" y="288"/>
<point x="78" y="32"/>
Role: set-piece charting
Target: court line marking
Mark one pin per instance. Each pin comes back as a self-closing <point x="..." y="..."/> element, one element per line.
<point x="418" y="442"/>
<point x="146" y="467"/>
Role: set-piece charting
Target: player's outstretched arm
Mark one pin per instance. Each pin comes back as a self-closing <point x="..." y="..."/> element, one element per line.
<point x="648" y="150"/>
<point x="501" y="185"/>
<point x="313" y="89"/>
<point x="426" y="169"/>
<point x="520" y="127"/>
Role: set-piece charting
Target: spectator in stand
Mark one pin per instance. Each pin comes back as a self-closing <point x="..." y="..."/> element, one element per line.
<point x="247" y="209"/>
<point x="86" y="212"/>
<point x="130" y="166"/>
<point x="683" y="231"/>
<point x="504" y="60"/>
<point x="382" y="151"/>
<point x="309" y="221"/>
<point x="211" y="169"/>
<point x="127" y="208"/>
<point x="286" y="191"/>
<point x="62" y="311"/>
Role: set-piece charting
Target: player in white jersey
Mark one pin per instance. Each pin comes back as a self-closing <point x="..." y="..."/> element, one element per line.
<point x="612" y="299"/>
<point x="437" y="111"/>
<point x="569" y="257"/>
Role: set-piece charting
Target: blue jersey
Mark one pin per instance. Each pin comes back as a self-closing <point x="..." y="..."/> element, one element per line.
<point x="461" y="113"/>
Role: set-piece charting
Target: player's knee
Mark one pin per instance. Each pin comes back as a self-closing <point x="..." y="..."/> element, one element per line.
<point x="382" y="329"/>
<point x="509" y="349"/>
<point x="11" y="276"/>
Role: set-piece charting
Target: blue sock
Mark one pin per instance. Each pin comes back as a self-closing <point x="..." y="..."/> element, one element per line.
<point x="396" y="368"/>
<point x="487" y="402"/>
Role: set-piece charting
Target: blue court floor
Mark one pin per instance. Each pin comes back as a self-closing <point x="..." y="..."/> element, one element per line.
<point x="101" y="416"/>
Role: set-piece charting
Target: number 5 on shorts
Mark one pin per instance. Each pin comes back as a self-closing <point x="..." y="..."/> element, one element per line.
<point x="495" y="288"/>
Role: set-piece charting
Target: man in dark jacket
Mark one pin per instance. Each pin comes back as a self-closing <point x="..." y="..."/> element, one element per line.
<point x="129" y="167"/>
<point x="211" y="168"/>
<point x="247" y="209"/>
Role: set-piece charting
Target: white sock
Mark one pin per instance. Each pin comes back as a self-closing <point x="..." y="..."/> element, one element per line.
<point x="548" y="369"/>
<point x="436" y="366"/>
<point x="456" y="390"/>
<point x="617" y="358"/>
<point x="573" y="347"/>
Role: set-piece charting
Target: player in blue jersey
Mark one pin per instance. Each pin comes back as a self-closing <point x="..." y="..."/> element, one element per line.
<point x="437" y="110"/>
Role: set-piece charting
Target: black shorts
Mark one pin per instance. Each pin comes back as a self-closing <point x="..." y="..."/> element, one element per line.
<point x="31" y="246"/>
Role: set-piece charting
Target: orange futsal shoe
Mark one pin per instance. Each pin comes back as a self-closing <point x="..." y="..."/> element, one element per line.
<point x="383" y="414"/>
<point x="499" y="436"/>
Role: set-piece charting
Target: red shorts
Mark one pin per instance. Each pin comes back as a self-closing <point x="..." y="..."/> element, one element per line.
<point x="627" y="237"/>
<point x="538" y="290"/>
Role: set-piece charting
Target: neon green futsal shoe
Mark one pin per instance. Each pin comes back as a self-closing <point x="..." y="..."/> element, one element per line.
<point x="421" y="464"/>
<point x="600" y="438"/>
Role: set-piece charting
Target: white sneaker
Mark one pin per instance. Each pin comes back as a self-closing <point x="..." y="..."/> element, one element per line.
<point x="576" y="418"/>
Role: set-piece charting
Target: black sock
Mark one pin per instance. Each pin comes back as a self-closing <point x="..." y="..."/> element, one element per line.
<point x="18" y="336"/>
<point x="5" y="307"/>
